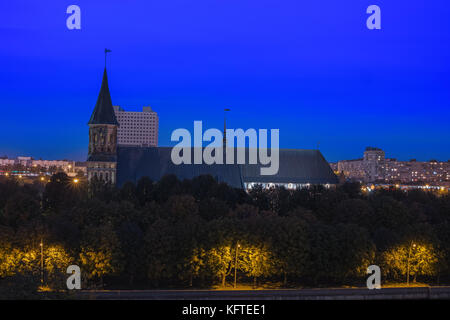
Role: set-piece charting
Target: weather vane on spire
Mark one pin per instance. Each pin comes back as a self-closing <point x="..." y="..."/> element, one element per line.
<point x="106" y="51"/>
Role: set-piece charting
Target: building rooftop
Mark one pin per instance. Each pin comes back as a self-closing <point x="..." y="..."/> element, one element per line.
<point x="296" y="166"/>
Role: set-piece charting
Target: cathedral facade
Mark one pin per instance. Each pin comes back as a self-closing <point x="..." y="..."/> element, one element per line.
<point x="102" y="154"/>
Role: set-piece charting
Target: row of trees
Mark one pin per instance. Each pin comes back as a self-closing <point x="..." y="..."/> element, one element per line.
<point x="195" y="232"/>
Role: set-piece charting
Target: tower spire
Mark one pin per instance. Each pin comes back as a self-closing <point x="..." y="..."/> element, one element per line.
<point x="102" y="154"/>
<point x="103" y="112"/>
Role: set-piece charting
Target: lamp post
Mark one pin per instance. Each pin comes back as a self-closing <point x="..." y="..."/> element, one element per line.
<point x="412" y="245"/>
<point x="235" y="264"/>
<point x="42" y="261"/>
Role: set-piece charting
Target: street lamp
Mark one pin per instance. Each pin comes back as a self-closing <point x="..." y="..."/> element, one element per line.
<point x="42" y="261"/>
<point x="412" y="245"/>
<point x="75" y="180"/>
<point x="235" y="263"/>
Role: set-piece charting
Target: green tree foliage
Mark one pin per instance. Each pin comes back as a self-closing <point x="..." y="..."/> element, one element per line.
<point x="290" y="246"/>
<point x="174" y="233"/>
<point x="100" y="254"/>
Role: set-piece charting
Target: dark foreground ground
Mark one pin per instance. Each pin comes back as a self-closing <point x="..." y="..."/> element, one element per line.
<point x="302" y="294"/>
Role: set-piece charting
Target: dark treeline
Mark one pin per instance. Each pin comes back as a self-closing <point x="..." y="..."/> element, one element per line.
<point x="178" y="234"/>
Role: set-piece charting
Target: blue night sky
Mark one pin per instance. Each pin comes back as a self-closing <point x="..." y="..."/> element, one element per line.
<point x="310" y="68"/>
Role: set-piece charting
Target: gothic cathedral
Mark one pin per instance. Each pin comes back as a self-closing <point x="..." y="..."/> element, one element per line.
<point x="102" y="156"/>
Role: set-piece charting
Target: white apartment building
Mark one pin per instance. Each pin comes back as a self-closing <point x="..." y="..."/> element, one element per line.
<point x="375" y="167"/>
<point x="28" y="162"/>
<point x="66" y="165"/>
<point x="7" y="162"/>
<point x="137" y="128"/>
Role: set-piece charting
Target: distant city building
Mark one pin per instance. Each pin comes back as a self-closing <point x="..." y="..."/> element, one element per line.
<point x="25" y="161"/>
<point x="374" y="158"/>
<point x="7" y="162"/>
<point x="64" y="164"/>
<point x="374" y="167"/>
<point x="137" y="128"/>
<point x="29" y="162"/>
<point x="29" y="167"/>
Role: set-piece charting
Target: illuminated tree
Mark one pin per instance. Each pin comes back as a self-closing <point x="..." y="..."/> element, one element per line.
<point x="421" y="258"/>
<point x="256" y="261"/>
<point x="27" y="262"/>
<point x="219" y="261"/>
<point x="56" y="261"/>
<point x="96" y="264"/>
<point x="18" y="261"/>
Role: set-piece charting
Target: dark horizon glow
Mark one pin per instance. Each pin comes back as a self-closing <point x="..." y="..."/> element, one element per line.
<point x="311" y="69"/>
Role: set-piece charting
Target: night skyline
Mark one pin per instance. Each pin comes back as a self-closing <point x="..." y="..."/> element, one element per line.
<point x="313" y="71"/>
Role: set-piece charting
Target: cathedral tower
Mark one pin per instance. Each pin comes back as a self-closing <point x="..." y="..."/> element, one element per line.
<point x="102" y="156"/>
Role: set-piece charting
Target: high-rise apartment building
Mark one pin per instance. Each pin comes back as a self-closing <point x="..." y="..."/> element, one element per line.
<point x="137" y="128"/>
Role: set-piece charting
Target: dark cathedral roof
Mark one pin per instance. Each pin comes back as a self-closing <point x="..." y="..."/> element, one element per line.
<point x="296" y="166"/>
<point x="103" y="112"/>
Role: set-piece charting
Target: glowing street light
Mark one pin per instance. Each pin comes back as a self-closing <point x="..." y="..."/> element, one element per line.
<point x="76" y="180"/>
<point x="42" y="261"/>
<point x="413" y="245"/>
<point x="235" y="264"/>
